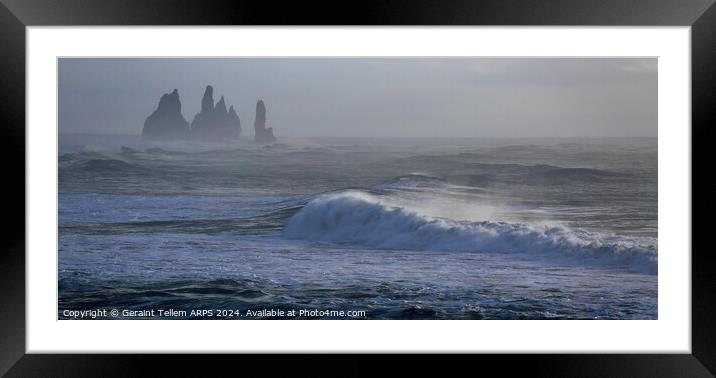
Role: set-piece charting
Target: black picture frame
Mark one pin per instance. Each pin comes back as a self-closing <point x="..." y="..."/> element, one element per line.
<point x="16" y="15"/>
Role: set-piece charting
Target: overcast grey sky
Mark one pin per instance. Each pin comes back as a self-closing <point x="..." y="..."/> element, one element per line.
<point x="373" y="97"/>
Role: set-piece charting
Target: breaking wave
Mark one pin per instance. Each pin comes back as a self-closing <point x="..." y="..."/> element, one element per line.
<point x="359" y="218"/>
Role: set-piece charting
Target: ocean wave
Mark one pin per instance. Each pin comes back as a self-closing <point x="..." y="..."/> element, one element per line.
<point x="127" y="161"/>
<point x="110" y="165"/>
<point x="359" y="218"/>
<point x="414" y="181"/>
<point x="255" y="225"/>
<point x="81" y="156"/>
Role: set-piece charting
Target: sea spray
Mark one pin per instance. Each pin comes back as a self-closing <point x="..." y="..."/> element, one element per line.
<point x="359" y="218"/>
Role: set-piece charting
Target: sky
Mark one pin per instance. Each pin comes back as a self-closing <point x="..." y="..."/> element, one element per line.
<point x="373" y="97"/>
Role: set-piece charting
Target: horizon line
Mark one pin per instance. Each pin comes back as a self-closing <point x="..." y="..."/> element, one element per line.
<point x="400" y="137"/>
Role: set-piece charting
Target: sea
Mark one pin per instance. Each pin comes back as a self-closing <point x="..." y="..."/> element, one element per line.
<point x="358" y="228"/>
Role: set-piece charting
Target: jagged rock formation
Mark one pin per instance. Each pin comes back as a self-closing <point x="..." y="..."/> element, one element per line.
<point x="214" y="122"/>
<point x="166" y="123"/>
<point x="263" y="134"/>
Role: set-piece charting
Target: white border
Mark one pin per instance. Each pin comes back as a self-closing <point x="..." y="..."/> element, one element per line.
<point x="670" y="333"/>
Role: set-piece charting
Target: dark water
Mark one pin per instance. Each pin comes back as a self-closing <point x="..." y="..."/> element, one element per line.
<point x="388" y="228"/>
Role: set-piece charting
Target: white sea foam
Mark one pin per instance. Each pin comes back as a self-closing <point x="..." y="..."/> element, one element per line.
<point x="358" y="218"/>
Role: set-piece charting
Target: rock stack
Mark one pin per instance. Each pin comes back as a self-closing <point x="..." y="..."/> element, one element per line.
<point x="263" y="134"/>
<point x="214" y="122"/>
<point x="166" y="123"/>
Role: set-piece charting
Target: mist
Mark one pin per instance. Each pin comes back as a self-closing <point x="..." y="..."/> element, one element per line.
<point x="373" y="97"/>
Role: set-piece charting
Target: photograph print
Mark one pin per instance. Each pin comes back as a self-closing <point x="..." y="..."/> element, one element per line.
<point x="357" y="188"/>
